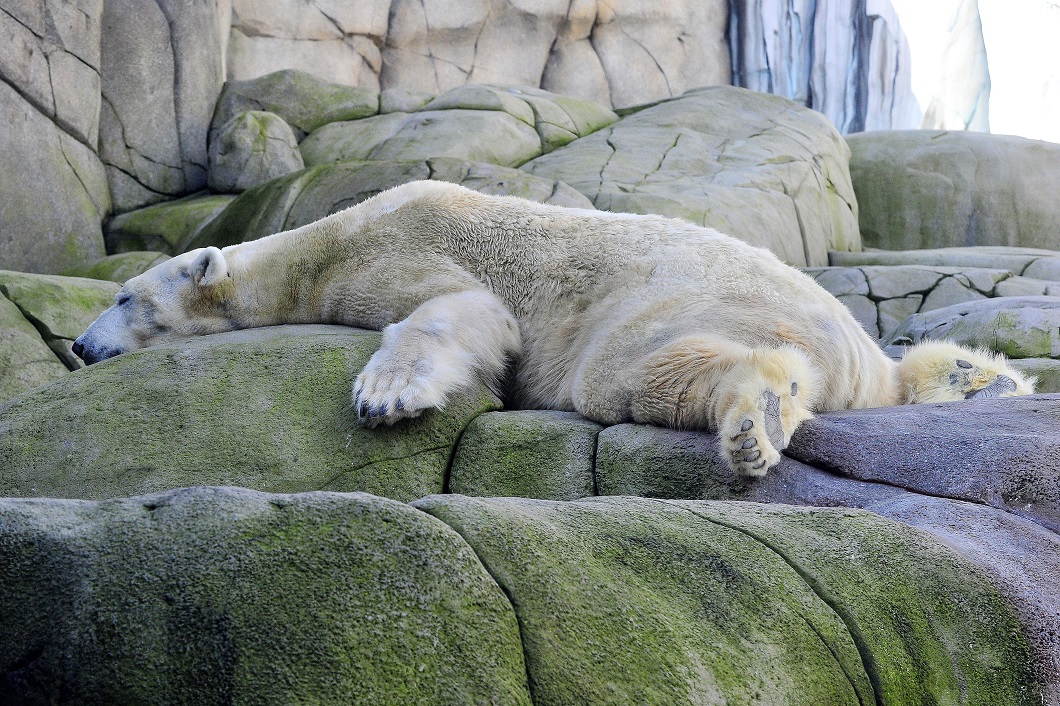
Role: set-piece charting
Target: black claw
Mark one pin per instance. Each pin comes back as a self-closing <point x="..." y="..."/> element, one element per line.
<point x="747" y="425"/>
<point x="749" y="443"/>
<point x="363" y="410"/>
<point x="399" y="405"/>
<point x="964" y="364"/>
<point x="381" y="411"/>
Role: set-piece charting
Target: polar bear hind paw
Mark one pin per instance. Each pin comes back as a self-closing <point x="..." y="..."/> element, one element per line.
<point x="753" y="440"/>
<point x="945" y="372"/>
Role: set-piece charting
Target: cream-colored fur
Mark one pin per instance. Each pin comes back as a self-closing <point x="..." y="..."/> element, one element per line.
<point x="619" y="317"/>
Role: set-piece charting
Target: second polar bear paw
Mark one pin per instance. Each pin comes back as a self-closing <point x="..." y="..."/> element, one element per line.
<point x="753" y="439"/>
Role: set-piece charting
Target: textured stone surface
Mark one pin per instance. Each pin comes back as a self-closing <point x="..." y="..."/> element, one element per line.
<point x="527" y="454"/>
<point x="303" y="101"/>
<point x="1030" y="262"/>
<point x="60" y="308"/>
<point x="161" y="70"/>
<point x="1046" y="370"/>
<point x="479" y="123"/>
<point x="1003" y="453"/>
<point x="306" y="196"/>
<point x="166" y="227"/>
<point x="267" y="409"/>
<point x="54" y="191"/>
<point x="26" y="361"/>
<point x="1019" y="327"/>
<point x="737" y="602"/>
<point x="250" y="149"/>
<point x="754" y="166"/>
<point x="120" y="268"/>
<point x="926" y="189"/>
<point x="881" y="297"/>
<point x="224" y="595"/>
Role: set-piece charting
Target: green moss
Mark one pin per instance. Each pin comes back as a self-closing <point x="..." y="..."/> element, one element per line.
<point x="169" y="227"/>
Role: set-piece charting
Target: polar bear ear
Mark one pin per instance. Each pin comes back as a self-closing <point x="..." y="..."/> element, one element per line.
<point x="209" y="267"/>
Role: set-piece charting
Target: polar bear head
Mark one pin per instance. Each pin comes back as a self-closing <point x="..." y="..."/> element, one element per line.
<point x="189" y="295"/>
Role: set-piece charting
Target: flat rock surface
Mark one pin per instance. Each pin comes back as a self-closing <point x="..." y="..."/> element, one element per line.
<point x="267" y="409"/>
<point x="1003" y="452"/>
<point x="226" y="595"/>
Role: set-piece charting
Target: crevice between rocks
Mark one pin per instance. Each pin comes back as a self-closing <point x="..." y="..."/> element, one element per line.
<point x="868" y="661"/>
<point x="41" y="329"/>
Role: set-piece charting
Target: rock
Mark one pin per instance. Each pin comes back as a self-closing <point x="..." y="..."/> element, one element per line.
<point x="477" y="123"/>
<point x="823" y="54"/>
<point x="929" y="189"/>
<point x="1046" y="370"/>
<point x="748" y="164"/>
<point x="1019" y="327"/>
<point x="998" y="452"/>
<point x="166" y="227"/>
<point x="684" y="602"/>
<point x="303" y="101"/>
<point x="1028" y="287"/>
<point x="864" y="311"/>
<point x="54" y="191"/>
<point x="120" y="268"/>
<point x="1018" y="260"/>
<point x="622" y="54"/>
<point x="487" y="136"/>
<point x="60" y="308"/>
<point x="269" y="408"/>
<point x="527" y="454"/>
<point x="217" y="595"/>
<point x="250" y="149"/>
<point x="893" y="312"/>
<point x="26" y="361"/>
<point x="161" y="68"/>
<point x="306" y="196"/>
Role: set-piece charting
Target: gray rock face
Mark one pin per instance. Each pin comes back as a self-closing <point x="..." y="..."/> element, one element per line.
<point x="162" y="68"/>
<point x="225" y="595"/>
<point x="1019" y="327"/>
<point x="927" y="189"/>
<point x="250" y="149"/>
<point x="166" y="227"/>
<point x="745" y="163"/>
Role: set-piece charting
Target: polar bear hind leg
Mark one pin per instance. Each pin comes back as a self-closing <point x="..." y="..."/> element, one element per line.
<point x="940" y="371"/>
<point x="441" y="347"/>
<point x="754" y="397"/>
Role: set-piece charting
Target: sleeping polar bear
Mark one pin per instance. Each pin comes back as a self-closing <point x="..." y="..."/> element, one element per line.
<point x="619" y="317"/>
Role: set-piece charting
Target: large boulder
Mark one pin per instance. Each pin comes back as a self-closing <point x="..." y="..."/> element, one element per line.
<point x="224" y="595"/>
<point x="121" y="267"/>
<point x="755" y="166"/>
<point x="929" y="189"/>
<point x="250" y="149"/>
<point x="494" y="124"/>
<point x="624" y="600"/>
<point x="306" y="196"/>
<point x="267" y="409"/>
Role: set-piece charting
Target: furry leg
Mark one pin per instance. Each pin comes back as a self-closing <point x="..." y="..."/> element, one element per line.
<point x="754" y="397"/>
<point x="939" y="371"/>
<point x="439" y="349"/>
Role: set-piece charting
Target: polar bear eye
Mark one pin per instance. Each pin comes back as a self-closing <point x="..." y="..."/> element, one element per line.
<point x="123" y="299"/>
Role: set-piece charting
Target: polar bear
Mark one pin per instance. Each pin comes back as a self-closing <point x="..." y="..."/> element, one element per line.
<point x="620" y="317"/>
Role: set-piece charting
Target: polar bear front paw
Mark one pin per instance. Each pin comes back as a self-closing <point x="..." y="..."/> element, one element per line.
<point x="387" y="391"/>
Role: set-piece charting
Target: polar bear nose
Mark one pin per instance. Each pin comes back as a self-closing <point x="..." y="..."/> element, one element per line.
<point x="79" y="349"/>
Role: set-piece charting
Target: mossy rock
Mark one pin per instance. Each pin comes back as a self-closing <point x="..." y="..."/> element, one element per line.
<point x="224" y="595"/>
<point x="60" y="308"/>
<point x="306" y="196"/>
<point x="1046" y="370"/>
<point x="527" y="454"/>
<point x="26" y="361"/>
<point x="626" y="600"/>
<point x="267" y="409"/>
<point x="252" y="148"/>
<point x="302" y="100"/>
<point x="167" y="227"/>
<point x="1019" y="327"/>
<point x="120" y="268"/>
